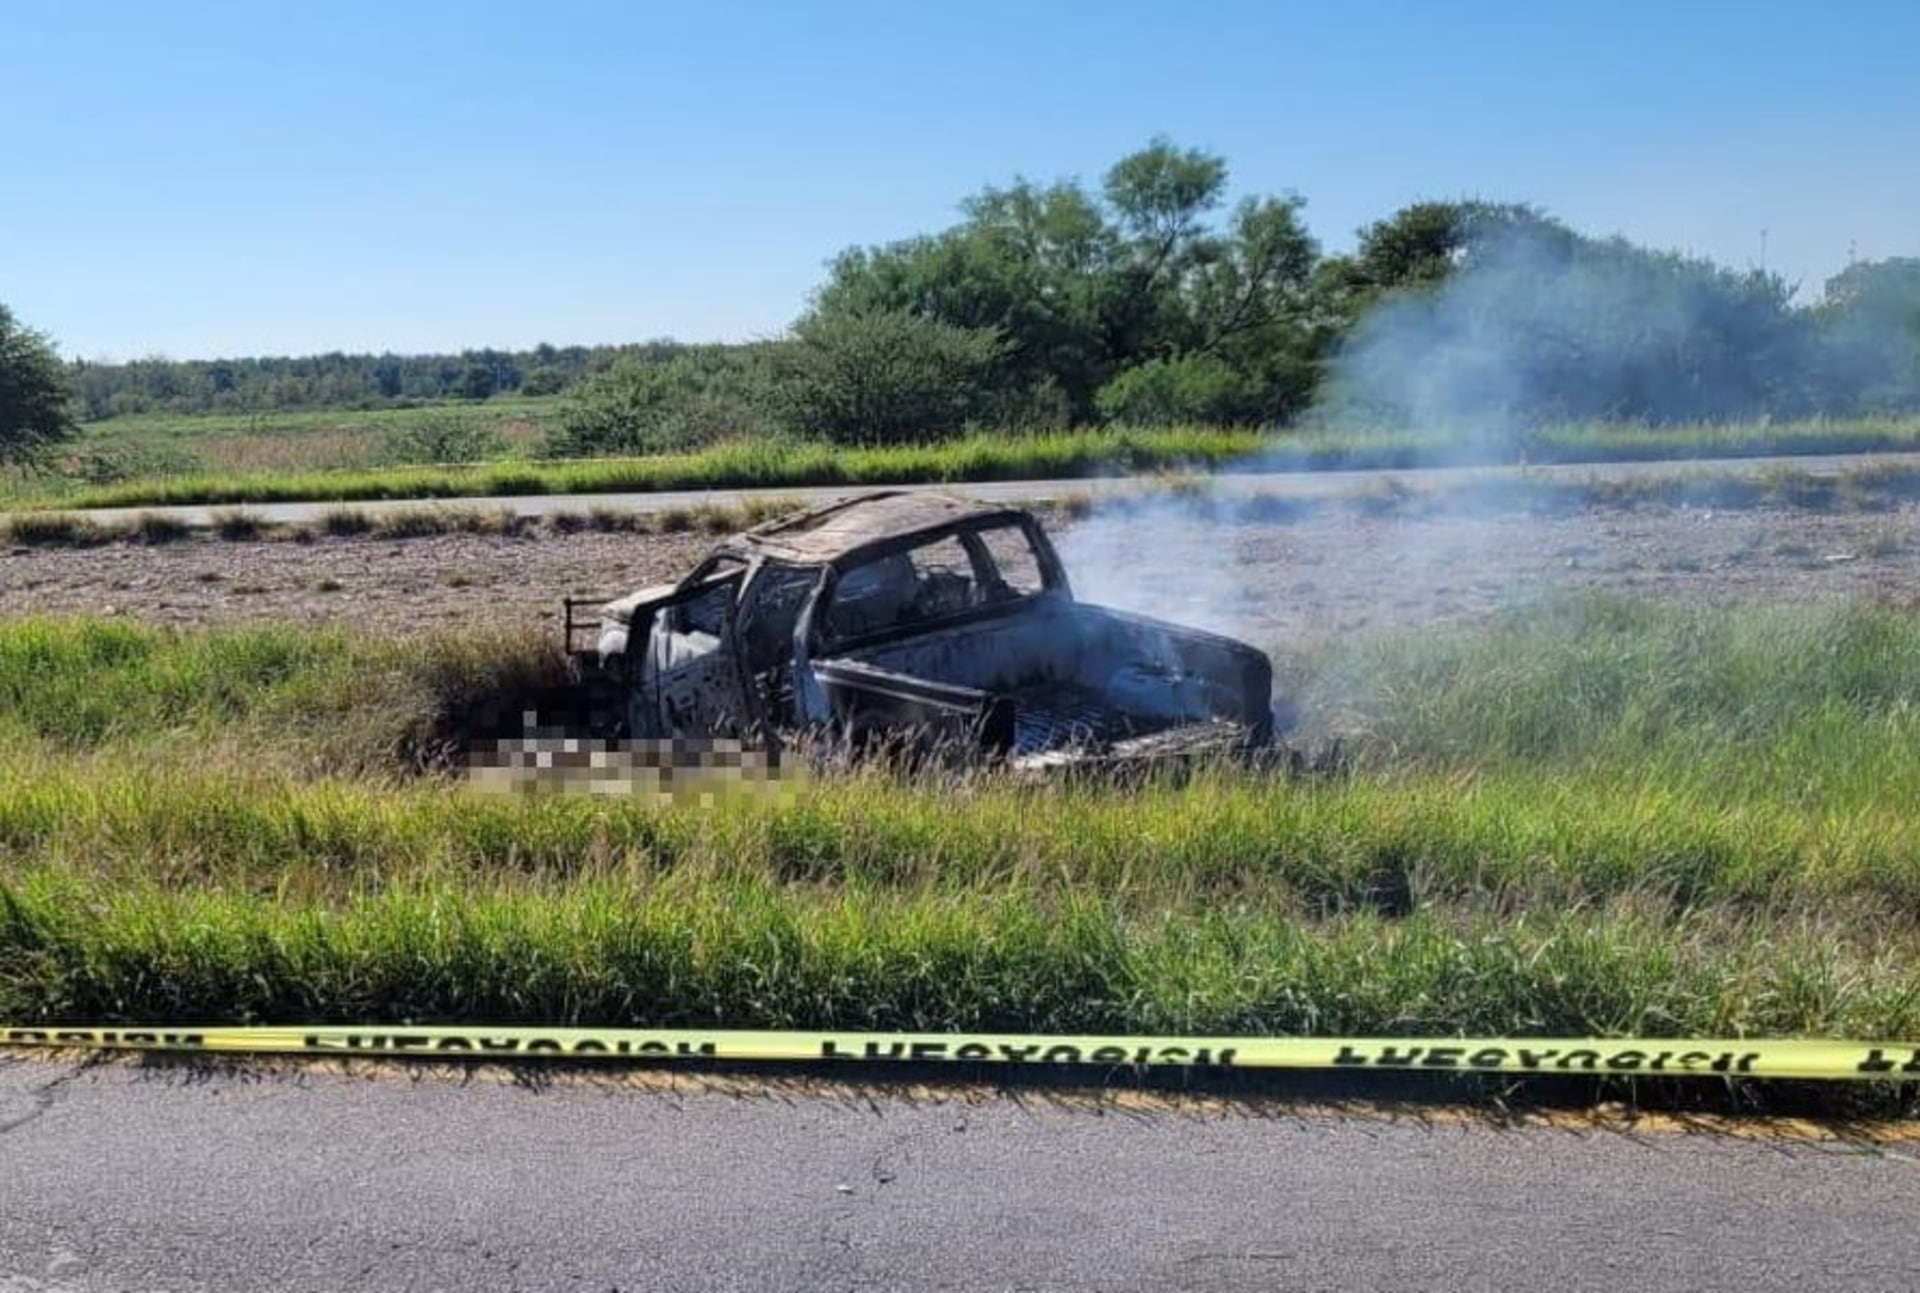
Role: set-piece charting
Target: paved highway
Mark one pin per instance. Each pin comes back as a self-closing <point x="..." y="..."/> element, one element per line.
<point x="1318" y="484"/>
<point x="118" y="1176"/>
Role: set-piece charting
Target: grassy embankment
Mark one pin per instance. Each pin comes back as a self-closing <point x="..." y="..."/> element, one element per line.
<point x="1592" y="818"/>
<point x="339" y="457"/>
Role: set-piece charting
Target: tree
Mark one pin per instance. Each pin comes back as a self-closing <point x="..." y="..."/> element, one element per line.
<point x="1882" y="289"/>
<point x="1158" y="197"/>
<point x="1534" y="324"/>
<point x="477" y="381"/>
<point x="1869" y="338"/>
<point x="1028" y="262"/>
<point x="34" y="397"/>
<point x="1422" y="245"/>
<point x="1082" y="288"/>
<point x="543" y="379"/>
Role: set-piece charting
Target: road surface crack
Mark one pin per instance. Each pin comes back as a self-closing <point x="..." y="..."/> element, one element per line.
<point x="43" y="1098"/>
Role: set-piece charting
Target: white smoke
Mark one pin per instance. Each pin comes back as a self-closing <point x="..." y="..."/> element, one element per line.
<point x="1164" y="556"/>
<point x="1537" y="326"/>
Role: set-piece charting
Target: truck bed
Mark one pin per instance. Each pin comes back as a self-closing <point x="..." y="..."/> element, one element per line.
<point x="1052" y="716"/>
<point x="1074" y="676"/>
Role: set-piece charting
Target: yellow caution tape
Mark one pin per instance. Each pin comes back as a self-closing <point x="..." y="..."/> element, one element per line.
<point x="1663" y="1057"/>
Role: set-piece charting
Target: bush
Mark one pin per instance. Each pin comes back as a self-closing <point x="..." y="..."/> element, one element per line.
<point x="1191" y="389"/>
<point x="1043" y="406"/>
<point x="237" y="525"/>
<point x="159" y="528"/>
<point x="647" y="406"/>
<point x="111" y="463"/>
<point x="345" y="522"/>
<point x="889" y="377"/>
<point x="543" y="380"/>
<point x="438" y="438"/>
<point x="54" y="529"/>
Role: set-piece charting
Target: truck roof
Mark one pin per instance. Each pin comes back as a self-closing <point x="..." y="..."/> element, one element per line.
<point x="842" y="529"/>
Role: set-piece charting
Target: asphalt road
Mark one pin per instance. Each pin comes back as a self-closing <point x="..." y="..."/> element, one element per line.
<point x="121" y="1177"/>
<point x="1314" y="484"/>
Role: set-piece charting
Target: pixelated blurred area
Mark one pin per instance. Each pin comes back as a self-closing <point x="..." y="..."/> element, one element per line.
<point x="682" y="770"/>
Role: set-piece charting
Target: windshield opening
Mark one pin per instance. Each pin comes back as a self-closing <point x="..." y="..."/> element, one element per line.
<point x="946" y="576"/>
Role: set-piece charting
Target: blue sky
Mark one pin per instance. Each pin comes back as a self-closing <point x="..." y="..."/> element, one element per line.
<point x="200" y="179"/>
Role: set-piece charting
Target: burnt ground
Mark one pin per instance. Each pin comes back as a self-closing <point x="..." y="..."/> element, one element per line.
<point x="1278" y="584"/>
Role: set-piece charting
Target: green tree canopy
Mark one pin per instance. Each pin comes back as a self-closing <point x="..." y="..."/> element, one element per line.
<point x="33" y="393"/>
<point x="1082" y="288"/>
<point x="1495" y="316"/>
<point x="1869" y="337"/>
<point x="1422" y="245"/>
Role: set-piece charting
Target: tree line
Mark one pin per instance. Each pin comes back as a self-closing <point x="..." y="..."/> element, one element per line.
<point x="336" y="381"/>
<point x="1148" y="299"/>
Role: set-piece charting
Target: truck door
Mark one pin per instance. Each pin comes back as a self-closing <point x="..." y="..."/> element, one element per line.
<point x="690" y="680"/>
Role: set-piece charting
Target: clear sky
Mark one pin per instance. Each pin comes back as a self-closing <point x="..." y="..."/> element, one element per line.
<point x="200" y="179"/>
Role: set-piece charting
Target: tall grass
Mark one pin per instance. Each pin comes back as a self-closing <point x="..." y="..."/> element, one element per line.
<point x="1592" y="816"/>
<point x="746" y="953"/>
<point x="295" y="698"/>
<point x="737" y="465"/>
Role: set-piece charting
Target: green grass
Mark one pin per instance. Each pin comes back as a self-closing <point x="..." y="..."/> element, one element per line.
<point x="308" y="457"/>
<point x="1594" y="442"/>
<point x="1085" y="453"/>
<point x="1603" y="442"/>
<point x="1590" y="817"/>
<point x="162" y="444"/>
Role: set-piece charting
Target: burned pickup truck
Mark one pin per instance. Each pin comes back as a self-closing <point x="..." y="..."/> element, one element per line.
<point x="918" y="618"/>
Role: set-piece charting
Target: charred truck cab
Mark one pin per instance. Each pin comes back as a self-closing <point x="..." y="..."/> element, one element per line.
<point x="915" y="616"/>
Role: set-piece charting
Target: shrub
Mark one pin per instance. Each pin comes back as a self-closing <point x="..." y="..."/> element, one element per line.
<point x="55" y="529"/>
<point x="343" y="522"/>
<point x="1193" y="389"/>
<point x="443" y="438"/>
<point x="156" y="528"/>
<point x="236" y="524"/>
<point x="543" y="380"/>
<point x="647" y="406"/>
<point x="890" y="377"/>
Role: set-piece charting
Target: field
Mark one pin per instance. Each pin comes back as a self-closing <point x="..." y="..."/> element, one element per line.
<point x="492" y="449"/>
<point x="1281" y="574"/>
<point x="158" y="445"/>
<point x="1619" y="772"/>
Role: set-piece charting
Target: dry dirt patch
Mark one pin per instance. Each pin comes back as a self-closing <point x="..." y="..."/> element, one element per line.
<point x="1289" y="584"/>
